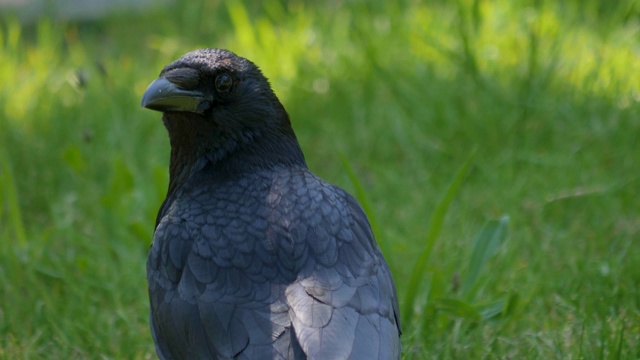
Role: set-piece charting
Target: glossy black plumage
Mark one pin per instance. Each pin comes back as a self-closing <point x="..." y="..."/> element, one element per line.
<point x="253" y="256"/>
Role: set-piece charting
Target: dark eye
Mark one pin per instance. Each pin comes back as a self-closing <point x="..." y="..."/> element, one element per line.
<point x="224" y="82"/>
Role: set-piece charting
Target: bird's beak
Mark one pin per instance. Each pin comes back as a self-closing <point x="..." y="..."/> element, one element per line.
<point x="163" y="95"/>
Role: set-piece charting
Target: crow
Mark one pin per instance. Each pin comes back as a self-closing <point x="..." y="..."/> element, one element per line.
<point x="254" y="256"/>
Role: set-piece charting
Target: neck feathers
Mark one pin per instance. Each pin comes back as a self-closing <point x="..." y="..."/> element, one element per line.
<point x="196" y="143"/>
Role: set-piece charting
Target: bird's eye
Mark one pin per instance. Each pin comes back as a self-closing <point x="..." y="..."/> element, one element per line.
<point x="224" y="82"/>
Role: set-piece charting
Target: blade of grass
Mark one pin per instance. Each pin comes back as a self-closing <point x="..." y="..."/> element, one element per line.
<point x="486" y="245"/>
<point x="620" y="342"/>
<point x="581" y="340"/>
<point x="500" y="308"/>
<point x="242" y="24"/>
<point x="361" y="195"/>
<point x="457" y="308"/>
<point x="435" y="226"/>
<point x="9" y="192"/>
<point x="492" y="310"/>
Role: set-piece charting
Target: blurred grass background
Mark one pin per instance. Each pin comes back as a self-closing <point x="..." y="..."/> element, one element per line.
<point x="546" y="95"/>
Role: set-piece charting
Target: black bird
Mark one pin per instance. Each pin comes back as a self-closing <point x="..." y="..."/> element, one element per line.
<point x="253" y="256"/>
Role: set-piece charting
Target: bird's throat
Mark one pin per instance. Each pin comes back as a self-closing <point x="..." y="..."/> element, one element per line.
<point x="192" y="140"/>
<point x="196" y="143"/>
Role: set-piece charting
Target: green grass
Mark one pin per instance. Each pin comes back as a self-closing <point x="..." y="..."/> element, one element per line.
<point x="546" y="96"/>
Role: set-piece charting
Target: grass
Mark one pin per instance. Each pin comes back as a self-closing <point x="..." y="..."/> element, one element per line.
<point x="545" y="95"/>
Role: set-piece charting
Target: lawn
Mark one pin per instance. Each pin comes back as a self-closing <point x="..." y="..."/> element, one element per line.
<point x="494" y="144"/>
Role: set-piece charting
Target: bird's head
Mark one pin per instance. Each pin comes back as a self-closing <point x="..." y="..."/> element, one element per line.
<point x="216" y="103"/>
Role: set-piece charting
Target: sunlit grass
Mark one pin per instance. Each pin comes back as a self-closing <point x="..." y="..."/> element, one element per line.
<point x="546" y="96"/>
